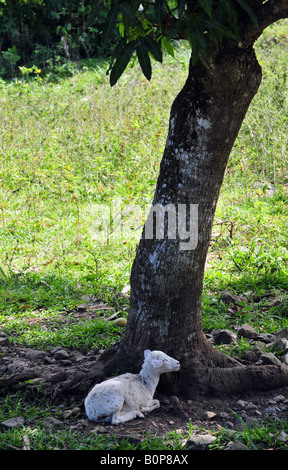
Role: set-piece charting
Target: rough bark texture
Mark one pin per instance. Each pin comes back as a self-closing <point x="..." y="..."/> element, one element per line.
<point x="166" y="281"/>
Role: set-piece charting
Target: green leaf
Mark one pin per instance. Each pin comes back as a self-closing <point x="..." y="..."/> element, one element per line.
<point x="121" y="62"/>
<point x="116" y="53"/>
<point x="195" y="35"/>
<point x="144" y="59"/>
<point x="126" y="10"/>
<point x="178" y="26"/>
<point x="110" y="25"/>
<point x="220" y="29"/>
<point x="168" y="46"/>
<point x="153" y="47"/>
<point x="3" y="273"/>
<point x="227" y="14"/>
<point x="158" y="10"/>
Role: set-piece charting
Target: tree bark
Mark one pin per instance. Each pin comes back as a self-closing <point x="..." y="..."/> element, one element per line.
<point x="167" y="280"/>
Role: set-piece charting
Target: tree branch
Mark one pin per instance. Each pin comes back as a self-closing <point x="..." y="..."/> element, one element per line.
<point x="267" y="14"/>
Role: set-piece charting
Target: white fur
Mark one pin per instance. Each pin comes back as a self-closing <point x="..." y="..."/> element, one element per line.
<point x="127" y="396"/>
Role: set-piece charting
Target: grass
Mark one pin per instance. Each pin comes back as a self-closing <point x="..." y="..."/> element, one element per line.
<point x="255" y="437"/>
<point x="71" y="148"/>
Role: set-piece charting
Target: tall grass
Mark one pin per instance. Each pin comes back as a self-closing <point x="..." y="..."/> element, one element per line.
<point x="68" y="147"/>
<point x="73" y="146"/>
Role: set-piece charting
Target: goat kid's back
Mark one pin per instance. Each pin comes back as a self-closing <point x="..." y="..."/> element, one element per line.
<point x="123" y="398"/>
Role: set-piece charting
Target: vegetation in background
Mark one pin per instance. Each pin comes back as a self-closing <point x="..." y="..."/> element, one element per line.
<point x="49" y="32"/>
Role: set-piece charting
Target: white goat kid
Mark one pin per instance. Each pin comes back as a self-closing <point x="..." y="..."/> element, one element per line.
<point x="127" y="396"/>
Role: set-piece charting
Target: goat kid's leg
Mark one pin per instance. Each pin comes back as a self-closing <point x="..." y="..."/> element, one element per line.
<point x="119" y="417"/>
<point x="154" y="404"/>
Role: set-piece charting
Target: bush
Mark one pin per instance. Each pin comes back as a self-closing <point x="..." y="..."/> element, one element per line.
<point x="38" y="31"/>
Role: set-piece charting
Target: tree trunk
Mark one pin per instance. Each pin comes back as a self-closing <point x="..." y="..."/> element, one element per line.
<point x="167" y="274"/>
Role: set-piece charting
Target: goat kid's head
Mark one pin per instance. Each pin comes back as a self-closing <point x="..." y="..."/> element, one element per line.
<point x="160" y="361"/>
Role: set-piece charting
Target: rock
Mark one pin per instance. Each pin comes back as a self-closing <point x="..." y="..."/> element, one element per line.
<point x="282" y="437"/>
<point x="269" y="359"/>
<point x="247" y="331"/>
<point x="35" y="354"/>
<point x="76" y="410"/>
<point x="249" y="356"/>
<point x="251" y="406"/>
<point x="279" y="398"/>
<point x="281" y="345"/>
<point x="236" y="445"/>
<point x="26" y="442"/>
<point x="4" y="341"/>
<point x="225" y="337"/>
<point x="259" y="349"/>
<point x="56" y="348"/>
<point x="271" y="410"/>
<point x="208" y="415"/>
<point x="61" y="354"/>
<point x="120" y="322"/>
<point x="282" y="334"/>
<point x="284" y="359"/>
<point x="67" y="414"/>
<point x="13" y="422"/>
<point x="266" y="338"/>
<point x="200" y="441"/>
<point x="50" y="421"/>
<point x="241" y="404"/>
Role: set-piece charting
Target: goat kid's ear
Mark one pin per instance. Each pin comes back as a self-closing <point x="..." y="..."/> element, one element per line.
<point x="146" y="352"/>
<point x="157" y="363"/>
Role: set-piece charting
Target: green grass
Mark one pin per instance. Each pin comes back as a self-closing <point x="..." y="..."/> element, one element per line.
<point x="39" y="311"/>
<point x="70" y="146"/>
<point x="255" y="437"/>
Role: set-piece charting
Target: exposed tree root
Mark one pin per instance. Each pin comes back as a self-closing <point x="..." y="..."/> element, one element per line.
<point x="17" y="378"/>
<point x="233" y="380"/>
<point x="209" y="374"/>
